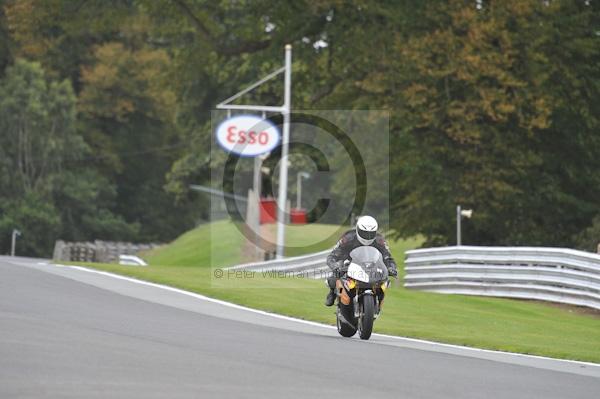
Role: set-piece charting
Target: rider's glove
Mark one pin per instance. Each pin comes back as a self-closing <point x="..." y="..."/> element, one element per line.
<point x="337" y="268"/>
<point x="393" y="272"/>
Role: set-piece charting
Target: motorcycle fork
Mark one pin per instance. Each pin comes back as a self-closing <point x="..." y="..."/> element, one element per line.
<point x="380" y="299"/>
<point x="357" y="310"/>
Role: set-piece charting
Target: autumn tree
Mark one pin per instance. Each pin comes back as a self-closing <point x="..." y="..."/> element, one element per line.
<point x="127" y="111"/>
<point x="481" y="122"/>
<point x="492" y="104"/>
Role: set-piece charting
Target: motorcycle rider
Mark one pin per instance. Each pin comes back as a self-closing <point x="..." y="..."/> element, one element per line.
<point x="365" y="233"/>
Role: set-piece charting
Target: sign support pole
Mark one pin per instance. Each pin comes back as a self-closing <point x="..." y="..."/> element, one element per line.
<point x="257" y="165"/>
<point x="283" y="170"/>
<point x="285" y="111"/>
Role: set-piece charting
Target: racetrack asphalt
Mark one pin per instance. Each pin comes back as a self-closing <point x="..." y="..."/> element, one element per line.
<point x="70" y="333"/>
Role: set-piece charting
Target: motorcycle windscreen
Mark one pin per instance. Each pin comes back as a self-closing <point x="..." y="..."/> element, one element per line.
<point x="367" y="265"/>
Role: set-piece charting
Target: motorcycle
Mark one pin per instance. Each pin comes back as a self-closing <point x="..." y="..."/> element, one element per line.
<point x="360" y="292"/>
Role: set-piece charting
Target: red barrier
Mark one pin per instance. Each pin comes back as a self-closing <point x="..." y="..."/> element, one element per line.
<point x="268" y="210"/>
<point x="298" y="216"/>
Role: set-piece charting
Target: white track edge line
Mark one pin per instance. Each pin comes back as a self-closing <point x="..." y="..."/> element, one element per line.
<point x="316" y="324"/>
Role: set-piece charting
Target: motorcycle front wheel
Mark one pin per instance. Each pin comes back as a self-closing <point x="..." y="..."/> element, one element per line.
<point x="365" y="327"/>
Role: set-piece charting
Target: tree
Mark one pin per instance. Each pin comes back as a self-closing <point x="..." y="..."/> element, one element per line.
<point x="37" y="120"/>
<point x="128" y="110"/>
<point x="60" y="34"/>
<point x="45" y="190"/>
<point x="5" y="41"/>
<point x="481" y="126"/>
<point x="589" y="238"/>
<point x="36" y="218"/>
<point x="492" y="106"/>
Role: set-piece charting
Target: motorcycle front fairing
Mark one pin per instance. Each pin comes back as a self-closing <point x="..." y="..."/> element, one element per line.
<point x="367" y="267"/>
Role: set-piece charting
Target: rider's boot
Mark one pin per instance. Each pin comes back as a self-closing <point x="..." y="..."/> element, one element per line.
<point x="330" y="297"/>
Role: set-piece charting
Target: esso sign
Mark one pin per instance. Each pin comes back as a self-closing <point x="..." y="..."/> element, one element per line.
<point x="247" y="135"/>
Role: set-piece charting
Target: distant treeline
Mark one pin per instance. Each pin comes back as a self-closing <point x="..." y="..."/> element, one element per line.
<point x="105" y="109"/>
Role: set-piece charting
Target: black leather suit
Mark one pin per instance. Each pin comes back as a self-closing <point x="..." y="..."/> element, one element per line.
<point x="347" y="243"/>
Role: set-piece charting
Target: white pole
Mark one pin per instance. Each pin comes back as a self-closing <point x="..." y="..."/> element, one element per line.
<point x="255" y="223"/>
<point x="298" y="190"/>
<point x="283" y="170"/>
<point x="14" y="241"/>
<point x="256" y="176"/>
<point x="255" y="201"/>
<point x="458" y="216"/>
<point x="257" y="166"/>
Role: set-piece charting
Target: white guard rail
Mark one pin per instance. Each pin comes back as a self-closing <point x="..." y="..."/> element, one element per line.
<point x="549" y="274"/>
<point x="310" y="266"/>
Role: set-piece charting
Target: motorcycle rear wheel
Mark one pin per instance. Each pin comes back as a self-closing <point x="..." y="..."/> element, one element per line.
<point x="343" y="328"/>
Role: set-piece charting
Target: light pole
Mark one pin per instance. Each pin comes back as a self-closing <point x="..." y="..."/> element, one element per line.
<point x="285" y="140"/>
<point x="299" y="177"/>
<point x="15" y="233"/>
<point x="460" y="213"/>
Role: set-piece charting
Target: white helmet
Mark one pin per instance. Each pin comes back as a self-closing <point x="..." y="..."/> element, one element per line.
<point x="366" y="229"/>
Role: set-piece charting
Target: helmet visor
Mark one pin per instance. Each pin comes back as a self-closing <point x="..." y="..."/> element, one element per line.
<point x="367" y="235"/>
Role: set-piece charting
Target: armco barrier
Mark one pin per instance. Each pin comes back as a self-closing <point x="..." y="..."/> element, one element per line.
<point x="549" y="274"/>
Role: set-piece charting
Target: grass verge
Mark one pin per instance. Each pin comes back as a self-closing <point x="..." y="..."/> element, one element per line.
<point x="221" y="244"/>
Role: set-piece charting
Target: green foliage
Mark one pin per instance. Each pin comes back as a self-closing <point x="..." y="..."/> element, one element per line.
<point x="60" y="33"/>
<point x="84" y="199"/>
<point x="45" y="192"/>
<point x="493" y="106"/>
<point x="36" y="219"/>
<point x="127" y="111"/>
<point x="37" y="120"/>
<point x="483" y="120"/>
<point x="589" y="239"/>
<point x="5" y="42"/>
